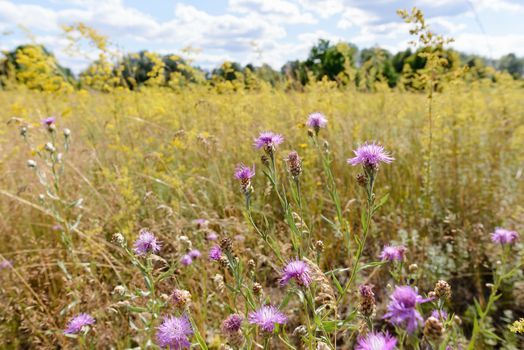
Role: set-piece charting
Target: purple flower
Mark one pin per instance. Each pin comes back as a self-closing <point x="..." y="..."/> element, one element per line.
<point x="146" y="243"/>
<point x="48" y="121"/>
<point x="503" y="236"/>
<point x="173" y="333"/>
<point x="390" y="253"/>
<point x="244" y="173"/>
<point x="316" y="121"/>
<point x="440" y="315"/>
<point x="402" y="308"/>
<point x="266" y="317"/>
<point x="195" y="253"/>
<point x="376" y="341"/>
<point x="78" y="322"/>
<point x="268" y="140"/>
<point x="212" y="236"/>
<point x="56" y="227"/>
<point x="186" y="260"/>
<point x="200" y="223"/>
<point x="232" y="324"/>
<point x="370" y="154"/>
<point x="215" y="253"/>
<point x="6" y="264"/>
<point x="298" y="270"/>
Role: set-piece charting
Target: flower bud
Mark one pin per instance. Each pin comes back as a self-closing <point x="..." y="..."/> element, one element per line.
<point x="119" y="239"/>
<point x="433" y="329"/>
<point x="319" y="246"/>
<point x="181" y="298"/>
<point x="49" y="147"/>
<point x="257" y="288"/>
<point x="443" y="289"/>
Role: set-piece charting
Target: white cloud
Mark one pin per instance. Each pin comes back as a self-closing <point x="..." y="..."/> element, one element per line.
<point x="274" y="10"/>
<point x="490" y="45"/>
<point x="354" y="16"/>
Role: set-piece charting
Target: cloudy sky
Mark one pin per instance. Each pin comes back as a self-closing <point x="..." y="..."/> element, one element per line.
<point x="259" y="31"/>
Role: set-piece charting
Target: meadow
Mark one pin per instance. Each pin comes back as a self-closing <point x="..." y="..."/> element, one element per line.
<point x="78" y="191"/>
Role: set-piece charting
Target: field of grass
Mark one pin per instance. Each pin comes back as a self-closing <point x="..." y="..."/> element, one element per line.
<point x="159" y="160"/>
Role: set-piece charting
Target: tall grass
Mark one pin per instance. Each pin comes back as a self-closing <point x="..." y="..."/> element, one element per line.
<point x="159" y="160"/>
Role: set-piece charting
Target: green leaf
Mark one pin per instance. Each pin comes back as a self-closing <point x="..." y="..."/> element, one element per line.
<point x="381" y="201"/>
<point x="337" y="283"/>
<point x="136" y="309"/>
<point x="329" y="326"/>
<point x="371" y="264"/>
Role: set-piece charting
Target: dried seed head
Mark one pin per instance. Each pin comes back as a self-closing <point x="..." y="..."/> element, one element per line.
<point x="362" y="179"/>
<point x="226" y="244"/>
<point x="218" y="280"/>
<point x="319" y="246"/>
<point x="322" y="346"/>
<point x="23" y="131"/>
<point x="257" y="288"/>
<point x="432" y="295"/>
<point x="49" y="147"/>
<point x="67" y="133"/>
<point x="413" y="268"/>
<point x="181" y="298"/>
<point x="31" y="164"/>
<point x="251" y="264"/>
<point x="443" y="289"/>
<point x="119" y="290"/>
<point x="119" y="239"/>
<point x="224" y="261"/>
<point x="265" y="160"/>
<point x="300" y="331"/>
<point x="433" y="329"/>
<point x="294" y="164"/>
<point x="310" y="133"/>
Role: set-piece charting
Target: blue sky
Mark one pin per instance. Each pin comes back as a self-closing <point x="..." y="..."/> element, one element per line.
<point x="259" y="31"/>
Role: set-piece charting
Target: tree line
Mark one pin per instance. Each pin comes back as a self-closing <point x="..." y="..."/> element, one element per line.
<point x="341" y="63"/>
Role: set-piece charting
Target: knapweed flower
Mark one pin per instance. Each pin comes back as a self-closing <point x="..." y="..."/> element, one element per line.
<point x="266" y="317"/>
<point x="316" y="121"/>
<point x="244" y="175"/>
<point x="146" y="243"/>
<point x="5" y="264"/>
<point x="78" y="322"/>
<point x="503" y="236"/>
<point x="297" y="270"/>
<point x="181" y="298"/>
<point x="195" y="253"/>
<point x="439" y="314"/>
<point x="173" y="333"/>
<point x="231" y="330"/>
<point x="212" y="236"/>
<point x="269" y="141"/>
<point x="376" y="341"/>
<point x="186" y="260"/>
<point x="200" y="223"/>
<point x="49" y="123"/>
<point x="402" y="308"/>
<point x="232" y="323"/>
<point x="370" y="155"/>
<point x="215" y="253"/>
<point x="367" y="305"/>
<point x="390" y="253"/>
